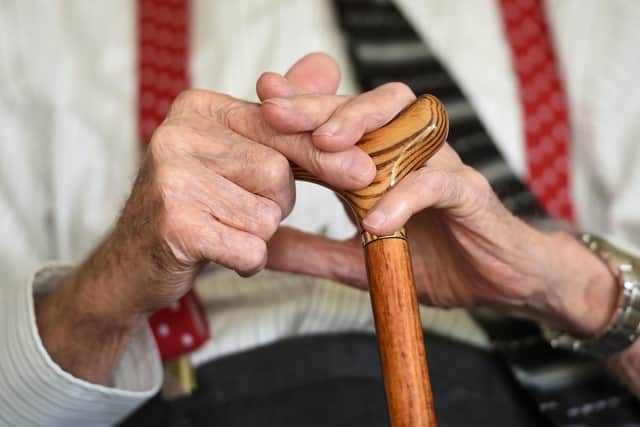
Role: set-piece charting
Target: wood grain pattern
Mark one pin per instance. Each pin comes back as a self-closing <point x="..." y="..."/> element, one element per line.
<point x="399" y="332"/>
<point x="398" y="148"/>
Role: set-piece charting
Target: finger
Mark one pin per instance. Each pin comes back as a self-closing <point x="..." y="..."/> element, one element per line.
<point x="207" y="112"/>
<point x="200" y="236"/>
<point x="338" y="122"/>
<point x="314" y="73"/>
<point x="362" y="114"/>
<point x="222" y="199"/>
<point x="350" y="169"/>
<point x="301" y="113"/>
<point x="254" y="167"/>
<point x="446" y="158"/>
<point x="463" y="193"/>
<point x="295" y="251"/>
<point x="270" y="85"/>
<point x="234" y="249"/>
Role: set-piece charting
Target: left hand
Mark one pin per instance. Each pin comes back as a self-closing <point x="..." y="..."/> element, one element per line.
<point x="468" y="248"/>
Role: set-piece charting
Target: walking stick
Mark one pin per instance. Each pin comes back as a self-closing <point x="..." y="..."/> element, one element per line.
<point x="398" y="148"/>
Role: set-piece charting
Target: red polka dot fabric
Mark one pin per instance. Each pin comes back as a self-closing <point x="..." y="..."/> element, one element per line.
<point x="544" y="105"/>
<point x="163" y="58"/>
<point x="180" y="328"/>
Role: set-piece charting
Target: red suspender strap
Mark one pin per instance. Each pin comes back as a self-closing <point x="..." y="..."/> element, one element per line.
<point x="163" y="59"/>
<point x="544" y="105"/>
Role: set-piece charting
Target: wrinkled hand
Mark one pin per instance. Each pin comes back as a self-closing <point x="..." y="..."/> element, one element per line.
<point x="213" y="186"/>
<point x="468" y="249"/>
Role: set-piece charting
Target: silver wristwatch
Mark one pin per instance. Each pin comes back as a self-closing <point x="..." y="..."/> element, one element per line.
<point x="625" y="324"/>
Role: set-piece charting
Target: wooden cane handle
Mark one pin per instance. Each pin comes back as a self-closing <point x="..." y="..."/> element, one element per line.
<point x="398" y="148"/>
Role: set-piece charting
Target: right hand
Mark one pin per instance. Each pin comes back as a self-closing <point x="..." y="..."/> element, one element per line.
<point x="207" y="191"/>
<point x="213" y="186"/>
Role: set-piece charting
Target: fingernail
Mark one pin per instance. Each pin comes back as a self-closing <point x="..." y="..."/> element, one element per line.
<point x="280" y="102"/>
<point x="375" y="219"/>
<point x="330" y="128"/>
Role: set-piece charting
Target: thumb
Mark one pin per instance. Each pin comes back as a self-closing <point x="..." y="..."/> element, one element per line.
<point x="315" y="73"/>
<point x="295" y="251"/>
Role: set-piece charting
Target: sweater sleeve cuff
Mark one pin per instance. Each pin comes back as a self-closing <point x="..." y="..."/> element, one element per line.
<point x="34" y="390"/>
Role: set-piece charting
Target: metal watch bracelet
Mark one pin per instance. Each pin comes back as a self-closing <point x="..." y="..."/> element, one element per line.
<point x="624" y="327"/>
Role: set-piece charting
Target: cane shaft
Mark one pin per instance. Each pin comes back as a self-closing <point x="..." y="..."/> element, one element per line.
<point x="399" y="332"/>
<point x="397" y="149"/>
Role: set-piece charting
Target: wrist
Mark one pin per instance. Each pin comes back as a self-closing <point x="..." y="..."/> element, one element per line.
<point x="80" y="331"/>
<point x="581" y="293"/>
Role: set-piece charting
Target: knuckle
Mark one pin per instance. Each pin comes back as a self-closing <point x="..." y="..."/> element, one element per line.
<point x="400" y="90"/>
<point x="169" y="178"/>
<point x="276" y="171"/>
<point x="228" y="111"/>
<point x="270" y="216"/>
<point x="163" y="138"/>
<point x="200" y="101"/>
<point x="185" y="96"/>
<point x="479" y="181"/>
<point x="435" y="180"/>
<point x="317" y="163"/>
<point x="169" y="139"/>
<point x="183" y="102"/>
<point x="187" y="100"/>
<point x="287" y="202"/>
<point x="447" y="188"/>
<point x="482" y="195"/>
<point x="253" y="257"/>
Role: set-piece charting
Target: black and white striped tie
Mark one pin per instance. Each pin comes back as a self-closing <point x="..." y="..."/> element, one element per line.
<point x="384" y="48"/>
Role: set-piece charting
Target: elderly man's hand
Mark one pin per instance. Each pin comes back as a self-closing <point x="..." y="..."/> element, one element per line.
<point x="468" y="248"/>
<point x="213" y="187"/>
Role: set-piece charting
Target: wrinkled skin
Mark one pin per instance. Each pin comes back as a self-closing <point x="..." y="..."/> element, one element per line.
<point x="215" y="185"/>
